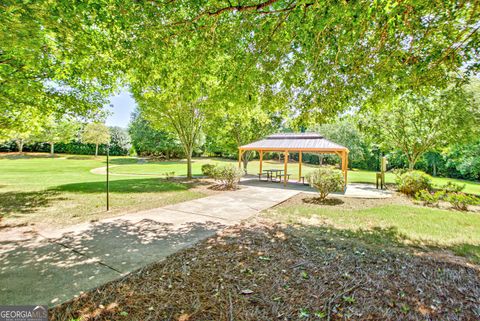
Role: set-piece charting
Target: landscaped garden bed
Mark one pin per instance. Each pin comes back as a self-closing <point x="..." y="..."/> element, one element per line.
<point x="273" y="272"/>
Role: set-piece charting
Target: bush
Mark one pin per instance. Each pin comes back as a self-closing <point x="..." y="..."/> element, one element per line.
<point x="169" y="175"/>
<point x="460" y="201"/>
<point x="325" y="181"/>
<point x="412" y="182"/>
<point x="228" y="175"/>
<point x="453" y="187"/>
<point x="208" y="170"/>
<point x="429" y="198"/>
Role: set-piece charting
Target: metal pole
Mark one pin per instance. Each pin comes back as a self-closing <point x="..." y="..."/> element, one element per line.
<point x="108" y="187"/>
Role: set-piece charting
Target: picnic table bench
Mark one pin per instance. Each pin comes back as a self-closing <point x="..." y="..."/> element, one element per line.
<point x="280" y="176"/>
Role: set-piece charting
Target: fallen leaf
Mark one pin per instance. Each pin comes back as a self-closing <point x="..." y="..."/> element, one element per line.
<point x="246" y="291"/>
<point x="184" y="317"/>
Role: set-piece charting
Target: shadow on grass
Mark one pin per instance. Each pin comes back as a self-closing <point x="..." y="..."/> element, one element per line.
<point x="26" y="202"/>
<point x="390" y="238"/>
<point x="122" y="161"/>
<point x="143" y="185"/>
<point x="16" y="155"/>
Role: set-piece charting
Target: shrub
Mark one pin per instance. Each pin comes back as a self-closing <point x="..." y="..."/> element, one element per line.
<point x="460" y="201"/>
<point x="453" y="187"/>
<point x="208" y="170"/>
<point x="412" y="182"/>
<point x="169" y="175"/>
<point x="325" y="181"/>
<point x="228" y="175"/>
<point x="429" y="198"/>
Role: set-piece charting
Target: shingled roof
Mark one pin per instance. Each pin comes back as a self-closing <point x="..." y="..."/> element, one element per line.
<point x="295" y="142"/>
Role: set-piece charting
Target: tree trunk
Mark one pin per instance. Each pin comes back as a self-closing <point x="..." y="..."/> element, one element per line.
<point x="20" y="145"/>
<point x="96" y="150"/>
<point x="189" y="164"/>
<point x="434" y="169"/>
<point x="52" y="149"/>
<point x="411" y="162"/>
<point x="245" y="156"/>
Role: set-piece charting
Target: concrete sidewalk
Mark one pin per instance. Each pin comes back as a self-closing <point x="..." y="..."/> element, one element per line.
<point x="55" y="265"/>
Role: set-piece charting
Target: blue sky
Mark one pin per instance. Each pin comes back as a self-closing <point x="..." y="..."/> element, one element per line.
<point x="123" y="105"/>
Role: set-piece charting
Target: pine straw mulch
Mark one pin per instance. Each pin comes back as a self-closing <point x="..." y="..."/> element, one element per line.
<point x="272" y="272"/>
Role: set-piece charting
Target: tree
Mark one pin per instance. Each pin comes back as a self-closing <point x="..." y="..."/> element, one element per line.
<point x="242" y="125"/>
<point x="96" y="133"/>
<point x="177" y="115"/>
<point x="149" y="141"/>
<point x="47" y="66"/>
<point x="24" y="127"/>
<point x="182" y="102"/>
<point x="21" y="138"/>
<point x="120" y="142"/>
<point x="345" y="132"/>
<point x="57" y="131"/>
<point x="325" y="55"/>
<point x="417" y="124"/>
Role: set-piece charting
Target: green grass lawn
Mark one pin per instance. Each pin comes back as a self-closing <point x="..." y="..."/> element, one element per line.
<point x="61" y="191"/>
<point x="393" y="223"/>
<point x="179" y="167"/>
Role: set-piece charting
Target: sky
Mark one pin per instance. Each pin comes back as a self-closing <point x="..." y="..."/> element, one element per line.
<point x="123" y="105"/>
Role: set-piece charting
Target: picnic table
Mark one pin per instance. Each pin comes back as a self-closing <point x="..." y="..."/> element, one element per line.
<point x="270" y="173"/>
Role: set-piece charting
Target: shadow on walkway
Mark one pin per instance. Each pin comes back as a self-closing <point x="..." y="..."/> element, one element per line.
<point x="50" y="271"/>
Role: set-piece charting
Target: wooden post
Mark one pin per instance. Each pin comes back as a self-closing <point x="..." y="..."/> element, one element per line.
<point x="345" y="168"/>
<point x="300" y="166"/>
<point x="261" y="160"/>
<point x="240" y="152"/>
<point x="285" y="162"/>
<point x="383" y="169"/>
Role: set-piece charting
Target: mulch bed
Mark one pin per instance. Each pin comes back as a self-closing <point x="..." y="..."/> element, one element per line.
<point x="346" y="203"/>
<point x="272" y="272"/>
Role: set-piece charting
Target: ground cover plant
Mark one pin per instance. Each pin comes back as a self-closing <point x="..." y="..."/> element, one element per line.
<point x="271" y="272"/>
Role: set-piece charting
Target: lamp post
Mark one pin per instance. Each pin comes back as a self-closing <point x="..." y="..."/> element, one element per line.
<point x="107" y="185"/>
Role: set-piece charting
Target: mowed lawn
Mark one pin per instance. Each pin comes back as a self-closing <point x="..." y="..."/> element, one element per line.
<point x="389" y="222"/>
<point x="62" y="190"/>
<point x="354" y="176"/>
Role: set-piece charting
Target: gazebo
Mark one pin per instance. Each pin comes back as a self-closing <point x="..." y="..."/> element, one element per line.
<point x="297" y="143"/>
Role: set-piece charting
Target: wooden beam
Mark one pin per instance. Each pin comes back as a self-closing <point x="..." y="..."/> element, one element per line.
<point x="318" y="150"/>
<point x="345" y="168"/>
<point x="240" y="152"/>
<point x="285" y="163"/>
<point x="261" y="160"/>
<point x="299" y="166"/>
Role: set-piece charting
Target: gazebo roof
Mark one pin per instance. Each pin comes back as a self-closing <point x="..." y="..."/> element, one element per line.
<point x="295" y="142"/>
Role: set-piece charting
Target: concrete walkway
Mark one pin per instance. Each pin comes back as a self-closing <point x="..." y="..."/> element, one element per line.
<point x="354" y="190"/>
<point x="53" y="266"/>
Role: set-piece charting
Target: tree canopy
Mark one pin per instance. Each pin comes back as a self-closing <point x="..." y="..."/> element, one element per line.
<point x="322" y="56"/>
<point x="416" y="124"/>
<point x="96" y="133"/>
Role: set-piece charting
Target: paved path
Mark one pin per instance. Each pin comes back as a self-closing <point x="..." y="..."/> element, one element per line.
<point x="55" y="265"/>
<point x="354" y="190"/>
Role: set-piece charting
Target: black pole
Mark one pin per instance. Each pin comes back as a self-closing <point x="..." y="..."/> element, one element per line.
<point x="108" y="187"/>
